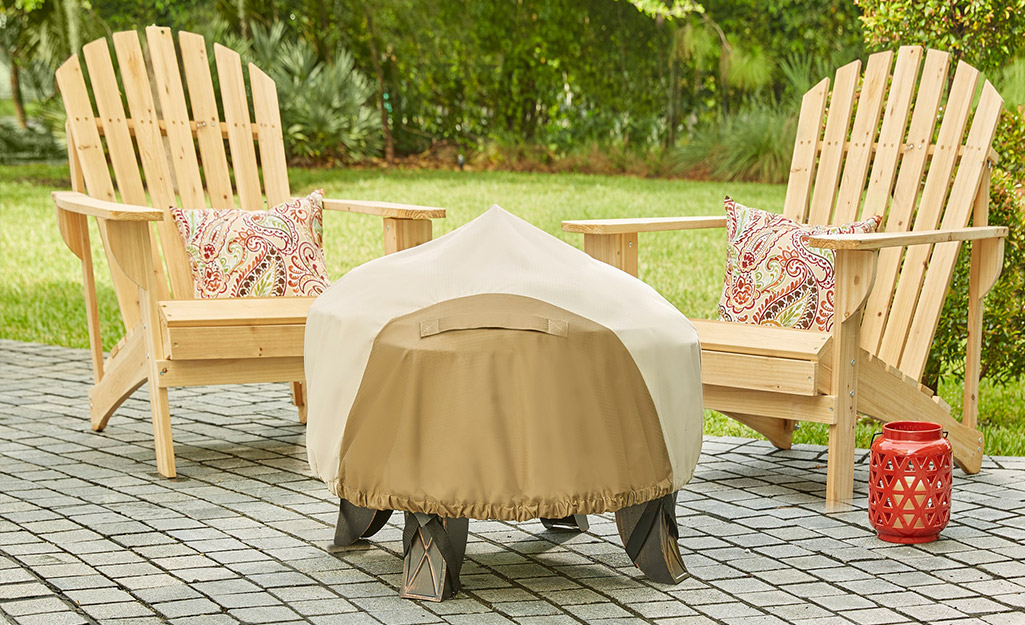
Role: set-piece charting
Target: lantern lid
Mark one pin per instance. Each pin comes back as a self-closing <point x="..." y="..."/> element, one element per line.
<point x="912" y="431"/>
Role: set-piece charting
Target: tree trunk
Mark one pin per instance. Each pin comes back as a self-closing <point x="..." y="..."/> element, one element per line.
<point x="389" y="144"/>
<point x="74" y="32"/>
<point x="19" y="103"/>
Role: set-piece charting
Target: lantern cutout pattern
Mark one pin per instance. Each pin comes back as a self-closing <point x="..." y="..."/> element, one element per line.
<point x="910" y="482"/>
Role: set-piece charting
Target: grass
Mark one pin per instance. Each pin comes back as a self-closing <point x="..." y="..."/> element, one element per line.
<point x="40" y="293"/>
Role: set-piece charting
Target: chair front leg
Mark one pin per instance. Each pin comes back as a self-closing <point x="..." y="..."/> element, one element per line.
<point x="855" y="273"/>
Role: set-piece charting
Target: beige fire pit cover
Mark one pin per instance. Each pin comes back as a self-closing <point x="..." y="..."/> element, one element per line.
<point x="497" y="372"/>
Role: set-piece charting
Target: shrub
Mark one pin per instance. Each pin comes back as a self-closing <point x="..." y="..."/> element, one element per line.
<point x="326" y="107"/>
<point x="1003" y="337"/>
<point x="753" y="144"/>
<point x="35" y="143"/>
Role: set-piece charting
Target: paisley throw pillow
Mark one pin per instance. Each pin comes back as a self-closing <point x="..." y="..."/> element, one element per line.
<point x="772" y="276"/>
<point x="240" y="253"/>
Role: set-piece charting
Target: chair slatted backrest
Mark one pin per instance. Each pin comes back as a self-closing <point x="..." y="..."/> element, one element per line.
<point x="915" y="158"/>
<point x="168" y="149"/>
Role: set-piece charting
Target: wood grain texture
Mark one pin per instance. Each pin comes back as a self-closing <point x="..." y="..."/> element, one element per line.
<point x="879" y="240"/>
<point x="862" y="138"/>
<point x="240" y="131"/>
<point x="618" y="250"/>
<point x="905" y="194"/>
<point x="761" y="340"/>
<point x="272" y="146"/>
<point x="831" y="157"/>
<point x="231" y="312"/>
<point x="384" y="209"/>
<point x="171" y="93"/>
<point x="649" y="224"/>
<point x="112" y="211"/>
<point x="210" y="131"/>
<point x="802" y="164"/>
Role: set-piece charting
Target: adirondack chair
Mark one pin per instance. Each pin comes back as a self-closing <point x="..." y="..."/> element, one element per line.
<point x="173" y="340"/>
<point x="926" y="184"/>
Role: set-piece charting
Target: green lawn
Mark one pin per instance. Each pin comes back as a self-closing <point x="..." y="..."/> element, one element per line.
<point x="40" y="296"/>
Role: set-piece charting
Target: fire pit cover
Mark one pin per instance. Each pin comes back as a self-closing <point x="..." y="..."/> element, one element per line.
<point x="499" y="373"/>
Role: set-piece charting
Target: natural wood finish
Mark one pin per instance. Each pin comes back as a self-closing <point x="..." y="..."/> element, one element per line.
<point x="652" y="224"/>
<point x="817" y="409"/>
<point x="863" y="134"/>
<point x="905" y="193"/>
<point x="112" y="117"/>
<point x="987" y="263"/>
<point x="125" y="372"/>
<point x="875" y="241"/>
<point x="722" y="336"/>
<point x="802" y="165"/>
<point x="890" y="285"/>
<point x="854" y="276"/>
<point x="890" y="143"/>
<point x="83" y="204"/>
<point x="180" y="341"/>
<point x="299" y="399"/>
<point x="171" y="92"/>
<point x="268" y="126"/>
<point x="887" y="395"/>
<point x="245" y="341"/>
<point x="74" y="229"/>
<point x="903" y="308"/>
<point x="384" y="209"/>
<point x="250" y="311"/>
<point x="780" y="432"/>
<point x="941" y="263"/>
<point x="240" y="131"/>
<point x="762" y="373"/>
<point x="838" y="120"/>
<point x="618" y="250"/>
<point x="138" y="92"/>
<point x="401" y="234"/>
<point x="228" y="371"/>
<point x="208" y="128"/>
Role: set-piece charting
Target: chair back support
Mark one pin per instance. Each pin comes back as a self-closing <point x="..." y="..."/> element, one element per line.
<point x="917" y="160"/>
<point x="178" y="144"/>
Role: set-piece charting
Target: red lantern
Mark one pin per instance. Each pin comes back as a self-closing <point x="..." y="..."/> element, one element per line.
<point x="909" y="482"/>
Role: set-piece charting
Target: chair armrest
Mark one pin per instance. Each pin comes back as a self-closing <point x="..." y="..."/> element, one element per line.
<point x="651" y="224"/>
<point x="879" y="240"/>
<point x="113" y="211"/>
<point x="385" y="209"/>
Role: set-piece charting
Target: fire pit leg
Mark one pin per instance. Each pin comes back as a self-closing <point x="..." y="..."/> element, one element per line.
<point x="355" y="522"/>
<point x="649" y="533"/>
<point x="575" y="522"/>
<point x="434" y="549"/>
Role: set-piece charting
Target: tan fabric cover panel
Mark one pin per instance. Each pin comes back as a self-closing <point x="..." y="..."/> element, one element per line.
<point x="498" y="253"/>
<point x="515" y="409"/>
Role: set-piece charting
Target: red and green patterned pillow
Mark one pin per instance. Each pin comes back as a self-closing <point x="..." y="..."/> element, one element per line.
<point x="772" y="276"/>
<point x="240" y="253"/>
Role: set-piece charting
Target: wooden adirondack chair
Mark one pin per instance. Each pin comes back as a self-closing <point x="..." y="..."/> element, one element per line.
<point x="173" y="340"/>
<point x="926" y="184"/>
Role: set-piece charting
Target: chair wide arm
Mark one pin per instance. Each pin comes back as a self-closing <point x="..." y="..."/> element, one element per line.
<point x="387" y="210"/>
<point x="879" y="240"/>
<point x="82" y="204"/>
<point x="650" y="224"/>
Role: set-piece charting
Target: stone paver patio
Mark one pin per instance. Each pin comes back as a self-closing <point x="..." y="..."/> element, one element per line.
<point x="90" y="534"/>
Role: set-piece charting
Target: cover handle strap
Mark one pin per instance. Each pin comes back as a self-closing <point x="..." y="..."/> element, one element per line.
<point x="494" y="320"/>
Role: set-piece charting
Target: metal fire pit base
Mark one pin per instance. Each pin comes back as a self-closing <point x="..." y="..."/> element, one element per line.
<point x="433" y="547"/>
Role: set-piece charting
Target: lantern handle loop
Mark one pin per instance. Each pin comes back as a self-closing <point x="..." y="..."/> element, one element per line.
<point x="945" y="433"/>
<point x="880" y="432"/>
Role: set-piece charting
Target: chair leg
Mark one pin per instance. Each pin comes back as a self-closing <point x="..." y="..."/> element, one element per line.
<point x="649" y="533"/>
<point x="355" y="522"/>
<point x="162" y="442"/>
<point x="433" y="555"/>
<point x="126" y="370"/>
<point x="573" y="522"/>
<point x="840" y="466"/>
<point x="299" y="399"/>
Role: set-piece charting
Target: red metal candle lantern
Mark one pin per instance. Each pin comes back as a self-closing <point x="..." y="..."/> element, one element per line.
<point x="909" y="482"/>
